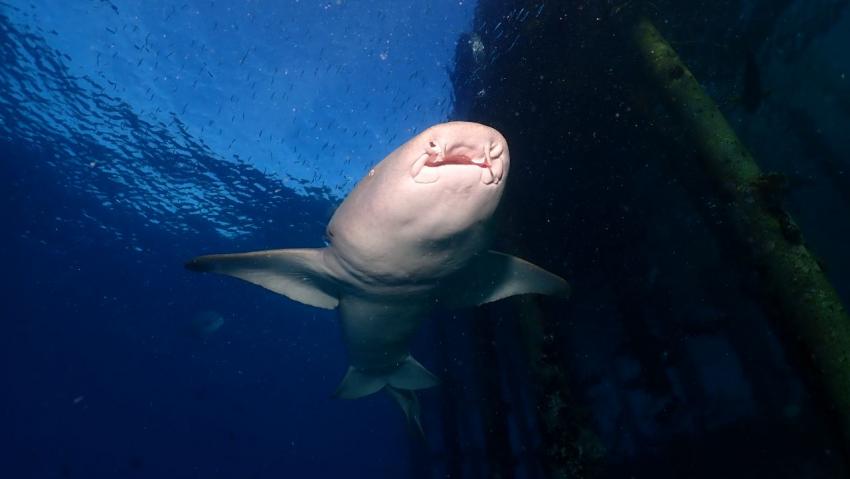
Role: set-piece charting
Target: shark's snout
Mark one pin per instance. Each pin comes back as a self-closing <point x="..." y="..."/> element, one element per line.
<point x="462" y="147"/>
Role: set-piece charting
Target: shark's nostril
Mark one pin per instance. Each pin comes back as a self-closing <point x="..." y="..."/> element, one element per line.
<point x="496" y="150"/>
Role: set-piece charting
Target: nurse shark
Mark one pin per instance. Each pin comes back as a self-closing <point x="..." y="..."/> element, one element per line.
<point x="412" y="236"/>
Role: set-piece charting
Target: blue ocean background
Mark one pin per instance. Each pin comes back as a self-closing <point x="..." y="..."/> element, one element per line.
<point x="135" y="135"/>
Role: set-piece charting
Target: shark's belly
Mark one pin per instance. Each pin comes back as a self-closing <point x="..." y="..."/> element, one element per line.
<point x="377" y="330"/>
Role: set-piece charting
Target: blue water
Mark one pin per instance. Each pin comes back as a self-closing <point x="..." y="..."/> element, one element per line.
<point x="135" y="135"/>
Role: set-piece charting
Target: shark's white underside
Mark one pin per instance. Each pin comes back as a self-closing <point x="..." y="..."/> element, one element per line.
<point x="411" y="237"/>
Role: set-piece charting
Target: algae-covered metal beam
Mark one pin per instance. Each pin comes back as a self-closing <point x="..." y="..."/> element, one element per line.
<point x="797" y="293"/>
<point x="569" y="449"/>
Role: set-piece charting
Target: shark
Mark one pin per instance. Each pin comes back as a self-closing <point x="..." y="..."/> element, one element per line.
<point x="413" y="235"/>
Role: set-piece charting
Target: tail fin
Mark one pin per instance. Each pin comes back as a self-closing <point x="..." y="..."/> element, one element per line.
<point x="409" y="403"/>
<point x="400" y="384"/>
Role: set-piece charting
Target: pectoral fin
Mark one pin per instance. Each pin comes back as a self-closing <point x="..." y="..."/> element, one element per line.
<point x="492" y="276"/>
<point x="298" y="274"/>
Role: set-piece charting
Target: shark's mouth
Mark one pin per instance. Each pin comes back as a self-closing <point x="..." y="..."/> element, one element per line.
<point x="486" y="157"/>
